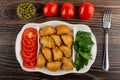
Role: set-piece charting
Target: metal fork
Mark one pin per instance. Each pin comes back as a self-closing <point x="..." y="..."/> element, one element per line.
<point x="106" y="25"/>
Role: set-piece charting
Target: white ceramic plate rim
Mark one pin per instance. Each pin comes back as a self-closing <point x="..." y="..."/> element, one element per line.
<point x="75" y="27"/>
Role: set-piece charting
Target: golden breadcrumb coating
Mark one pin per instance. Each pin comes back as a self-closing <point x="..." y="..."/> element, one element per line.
<point x="67" y="39"/>
<point x="63" y="29"/>
<point x="47" y="53"/>
<point x="67" y="64"/>
<point x="57" y="54"/>
<point x="54" y="66"/>
<point x="66" y="51"/>
<point x="47" y="30"/>
<point x="47" y="42"/>
<point x="41" y="60"/>
<point x="57" y="39"/>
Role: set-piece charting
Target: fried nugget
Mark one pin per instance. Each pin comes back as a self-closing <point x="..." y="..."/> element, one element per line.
<point x="47" y="53"/>
<point x="47" y="42"/>
<point x="47" y="30"/>
<point x="54" y="66"/>
<point x="66" y="51"/>
<point x="57" y="39"/>
<point x="41" y="61"/>
<point x="63" y="29"/>
<point x="67" y="64"/>
<point x="67" y="39"/>
<point x="57" y="54"/>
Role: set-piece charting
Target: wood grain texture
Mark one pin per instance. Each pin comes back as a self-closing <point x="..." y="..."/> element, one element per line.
<point x="10" y="25"/>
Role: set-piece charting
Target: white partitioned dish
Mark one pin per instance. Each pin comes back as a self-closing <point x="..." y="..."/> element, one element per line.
<point x="75" y="28"/>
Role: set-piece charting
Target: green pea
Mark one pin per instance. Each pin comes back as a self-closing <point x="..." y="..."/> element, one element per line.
<point x="26" y="10"/>
<point x="31" y="12"/>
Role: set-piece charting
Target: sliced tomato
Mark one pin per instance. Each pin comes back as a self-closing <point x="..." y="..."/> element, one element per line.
<point x="29" y="64"/>
<point x="29" y="49"/>
<point x="34" y="59"/>
<point x="30" y="34"/>
<point x="28" y="55"/>
<point x="29" y="44"/>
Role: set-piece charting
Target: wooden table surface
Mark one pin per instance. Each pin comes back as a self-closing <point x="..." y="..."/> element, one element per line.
<point x="10" y="25"/>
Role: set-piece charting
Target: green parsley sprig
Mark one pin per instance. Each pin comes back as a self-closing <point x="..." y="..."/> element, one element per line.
<point x="82" y="46"/>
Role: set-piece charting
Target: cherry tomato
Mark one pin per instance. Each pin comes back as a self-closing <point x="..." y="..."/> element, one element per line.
<point x="30" y="34"/>
<point x="86" y="10"/>
<point x="67" y="10"/>
<point x="50" y="9"/>
<point x="29" y="64"/>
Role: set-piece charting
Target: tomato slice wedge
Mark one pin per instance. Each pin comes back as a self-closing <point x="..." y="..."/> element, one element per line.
<point x="29" y="49"/>
<point x="28" y="55"/>
<point x="30" y="34"/>
<point x="29" y="44"/>
<point x="34" y="59"/>
<point x="29" y="64"/>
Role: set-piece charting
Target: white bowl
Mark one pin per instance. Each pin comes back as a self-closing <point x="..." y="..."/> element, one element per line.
<point x="75" y="27"/>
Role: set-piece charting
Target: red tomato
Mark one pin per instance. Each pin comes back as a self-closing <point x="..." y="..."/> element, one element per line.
<point x="34" y="59"/>
<point x="86" y="10"/>
<point x="30" y="34"/>
<point x="27" y="49"/>
<point x="67" y="10"/>
<point x="29" y="64"/>
<point x="50" y="9"/>
<point x="28" y="55"/>
<point x="29" y="44"/>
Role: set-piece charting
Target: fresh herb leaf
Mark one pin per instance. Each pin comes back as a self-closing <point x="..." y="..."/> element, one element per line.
<point x="77" y="63"/>
<point x="76" y="46"/>
<point x="86" y="56"/>
<point x="81" y="34"/>
<point x="82" y="46"/>
<point x="80" y="63"/>
<point x="85" y="42"/>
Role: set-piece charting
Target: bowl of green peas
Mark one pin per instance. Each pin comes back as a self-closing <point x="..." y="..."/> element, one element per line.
<point x="26" y="10"/>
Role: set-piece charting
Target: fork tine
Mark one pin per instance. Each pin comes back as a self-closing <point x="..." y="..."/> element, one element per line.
<point x="110" y="15"/>
<point x="107" y="15"/>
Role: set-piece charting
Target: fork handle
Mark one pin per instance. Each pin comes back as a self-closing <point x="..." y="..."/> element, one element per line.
<point x="105" y="64"/>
